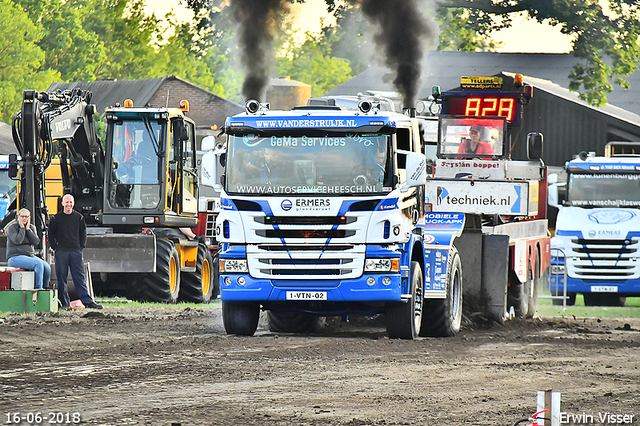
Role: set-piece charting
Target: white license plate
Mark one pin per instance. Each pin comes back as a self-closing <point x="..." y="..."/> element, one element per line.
<point x="306" y="295"/>
<point x="604" y="289"/>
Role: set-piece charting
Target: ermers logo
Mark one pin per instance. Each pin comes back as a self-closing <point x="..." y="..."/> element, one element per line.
<point x="286" y="205"/>
<point x="312" y="204"/>
<point x="319" y="202"/>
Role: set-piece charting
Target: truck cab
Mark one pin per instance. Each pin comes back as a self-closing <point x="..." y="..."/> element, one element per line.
<point x="596" y="239"/>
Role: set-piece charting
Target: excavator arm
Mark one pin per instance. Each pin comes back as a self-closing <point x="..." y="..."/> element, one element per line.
<point x="64" y="117"/>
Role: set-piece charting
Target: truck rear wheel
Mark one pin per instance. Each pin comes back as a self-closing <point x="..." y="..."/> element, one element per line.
<point x="405" y="319"/>
<point x="198" y="286"/>
<point x="240" y="318"/>
<point x="293" y="322"/>
<point x="164" y="285"/>
<point x="443" y="317"/>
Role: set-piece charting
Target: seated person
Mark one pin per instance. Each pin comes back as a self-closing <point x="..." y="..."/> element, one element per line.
<point x="373" y="173"/>
<point x="22" y="238"/>
<point x="474" y="145"/>
<point x="142" y="167"/>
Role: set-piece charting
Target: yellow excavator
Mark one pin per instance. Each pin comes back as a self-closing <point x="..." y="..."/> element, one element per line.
<point x="136" y="190"/>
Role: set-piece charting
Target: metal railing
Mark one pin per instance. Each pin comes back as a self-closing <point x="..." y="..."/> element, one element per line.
<point x="553" y="280"/>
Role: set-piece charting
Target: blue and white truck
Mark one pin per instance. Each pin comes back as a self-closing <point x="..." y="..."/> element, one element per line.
<point x="597" y="238"/>
<point x="323" y="214"/>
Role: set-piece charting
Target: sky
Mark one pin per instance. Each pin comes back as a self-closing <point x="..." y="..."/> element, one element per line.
<point x="525" y="36"/>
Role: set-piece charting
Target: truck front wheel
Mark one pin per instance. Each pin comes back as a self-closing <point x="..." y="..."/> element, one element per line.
<point x="405" y="319"/>
<point x="240" y="318"/>
<point x="443" y="317"/>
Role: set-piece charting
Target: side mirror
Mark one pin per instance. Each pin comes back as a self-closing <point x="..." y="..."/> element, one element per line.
<point x="552" y="191"/>
<point x="184" y="133"/>
<point x="416" y="171"/>
<point x="208" y="143"/>
<point x="534" y="146"/>
<point x="209" y="171"/>
<point x="13" y="166"/>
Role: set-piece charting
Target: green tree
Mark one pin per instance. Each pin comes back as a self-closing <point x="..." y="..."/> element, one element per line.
<point x="313" y="64"/>
<point x="21" y="59"/>
<point x="68" y="46"/>
<point x="467" y="30"/>
<point x="179" y="56"/>
<point x="605" y="36"/>
<point x="88" y="40"/>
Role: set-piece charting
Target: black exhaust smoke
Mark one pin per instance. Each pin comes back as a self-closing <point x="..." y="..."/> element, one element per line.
<point x="402" y="33"/>
<point x="258" y="21"/>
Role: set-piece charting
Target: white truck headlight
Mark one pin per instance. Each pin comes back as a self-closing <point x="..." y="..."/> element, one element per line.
<point x="233" y="265"/>
<point x="382" y="265"/>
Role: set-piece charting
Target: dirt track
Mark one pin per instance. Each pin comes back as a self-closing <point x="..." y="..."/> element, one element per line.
<point x="169" y="366"/>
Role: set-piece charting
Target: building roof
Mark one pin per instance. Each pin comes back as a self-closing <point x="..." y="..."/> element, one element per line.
<point x="445" y="68"/>
<point x="106" y="93"/>
<point x="561" y="92"/>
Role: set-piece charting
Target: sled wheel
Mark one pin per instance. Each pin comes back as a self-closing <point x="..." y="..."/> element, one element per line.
<point x="518" y="293"/>
<point x="536" y="283"/>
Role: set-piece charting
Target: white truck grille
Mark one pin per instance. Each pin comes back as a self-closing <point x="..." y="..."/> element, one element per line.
<point x="603" y="259"/>
<point x="305" y="262"/>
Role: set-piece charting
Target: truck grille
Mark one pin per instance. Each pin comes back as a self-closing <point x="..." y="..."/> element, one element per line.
<point x="306" y="247"/>
<point x="305" y="262"/>
<point x="603" y="259"/>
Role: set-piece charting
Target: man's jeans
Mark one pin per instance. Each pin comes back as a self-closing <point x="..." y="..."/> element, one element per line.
<point x="71" y="260"/>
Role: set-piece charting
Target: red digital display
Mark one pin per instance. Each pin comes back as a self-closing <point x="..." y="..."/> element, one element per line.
<point x="484" y="106"/>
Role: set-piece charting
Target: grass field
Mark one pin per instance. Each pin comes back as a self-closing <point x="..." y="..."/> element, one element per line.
<point x="630" y="310"/>
<point x="545" y="308"/>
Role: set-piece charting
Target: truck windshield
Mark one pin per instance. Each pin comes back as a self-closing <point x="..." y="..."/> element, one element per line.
<point x="340" y="164"/>
<point x="471" y="137"/>
<point x="134" y="179"/>
<point x="604" y="190"/>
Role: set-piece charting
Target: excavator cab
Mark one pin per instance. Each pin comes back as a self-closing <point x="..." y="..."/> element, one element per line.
<point x="151" y="178"/>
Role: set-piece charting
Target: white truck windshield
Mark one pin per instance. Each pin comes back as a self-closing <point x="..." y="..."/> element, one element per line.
<point x="303" y="164"/>
<point x="604" y="190"/>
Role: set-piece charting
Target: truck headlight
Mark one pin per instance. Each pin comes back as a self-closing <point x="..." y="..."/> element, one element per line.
<point x="233" y="265"/>
<point x="382" y="265"/>
<point x="557" y="269"/>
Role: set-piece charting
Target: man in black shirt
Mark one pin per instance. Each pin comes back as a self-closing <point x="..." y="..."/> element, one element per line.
<point x="67" y="236"/>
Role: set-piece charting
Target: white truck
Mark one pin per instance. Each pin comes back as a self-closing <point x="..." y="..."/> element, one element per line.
<point x="323" y="213"/>
<point x="597" y="235"/>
